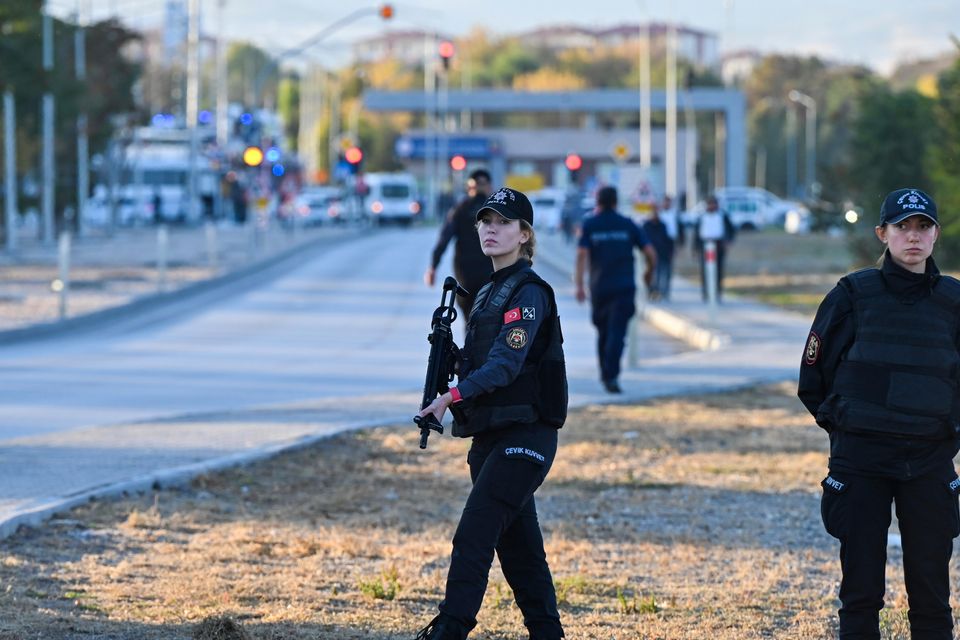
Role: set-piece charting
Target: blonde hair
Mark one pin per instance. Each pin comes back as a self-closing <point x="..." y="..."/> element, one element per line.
<point x="528" y="248"/>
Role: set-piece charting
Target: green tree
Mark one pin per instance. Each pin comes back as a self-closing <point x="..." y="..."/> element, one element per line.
<point x="943" y="161"/>
<point x="288" y="106"/>
<point x="891" y="137"/>
<point x="108" y="91"/>
<point x="252" y="76"/>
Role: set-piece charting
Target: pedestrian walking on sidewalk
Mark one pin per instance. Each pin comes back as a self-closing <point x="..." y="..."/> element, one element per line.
<point x="605" y="249"/>
<point x="880" y="374"/>
<point x="663" y="243"/>
<point x="714" y="226"/>
<point x="670" y="215"/>
<point x="511" y="398"/>
<point x="471" y="267"/>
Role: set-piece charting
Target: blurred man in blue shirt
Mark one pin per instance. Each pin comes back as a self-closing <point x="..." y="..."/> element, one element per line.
<point x="605" y="249"/>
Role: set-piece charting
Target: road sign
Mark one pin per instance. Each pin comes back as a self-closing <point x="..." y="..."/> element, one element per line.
<point x="620" y="151"/>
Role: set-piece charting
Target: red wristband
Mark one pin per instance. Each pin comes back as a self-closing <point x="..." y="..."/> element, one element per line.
<point x="455" y="394"/>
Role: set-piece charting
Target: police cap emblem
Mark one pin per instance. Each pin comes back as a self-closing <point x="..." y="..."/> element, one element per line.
<point x="517" y="338"/>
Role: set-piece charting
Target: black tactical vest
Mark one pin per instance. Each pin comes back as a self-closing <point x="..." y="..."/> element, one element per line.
<point x="539" y="393"/>
<point x="900" y="375"/>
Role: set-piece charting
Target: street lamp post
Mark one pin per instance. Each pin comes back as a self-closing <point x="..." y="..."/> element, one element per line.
<point x="810" y="131"/>
<point x="385" y="11"/>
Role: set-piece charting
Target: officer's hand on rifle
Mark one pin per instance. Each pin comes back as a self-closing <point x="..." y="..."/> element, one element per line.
<point x="438" y="407"/>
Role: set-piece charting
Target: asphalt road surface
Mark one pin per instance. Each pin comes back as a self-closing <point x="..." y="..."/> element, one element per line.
<point x="347" y="326"/>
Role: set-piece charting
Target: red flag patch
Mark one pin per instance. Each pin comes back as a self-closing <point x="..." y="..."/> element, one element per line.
<point x="511" y="316"/>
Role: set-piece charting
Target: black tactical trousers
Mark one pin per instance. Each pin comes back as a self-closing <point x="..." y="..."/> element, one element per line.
<point x="500" y="515"/>
<point x="611" y="316"/>
<point x="856" y="510"/>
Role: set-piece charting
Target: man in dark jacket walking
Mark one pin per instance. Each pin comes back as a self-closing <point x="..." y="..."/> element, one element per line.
<point x="471" y="267"/>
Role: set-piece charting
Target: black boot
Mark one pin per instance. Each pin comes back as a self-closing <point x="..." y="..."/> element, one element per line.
<point x="443" y="627"/>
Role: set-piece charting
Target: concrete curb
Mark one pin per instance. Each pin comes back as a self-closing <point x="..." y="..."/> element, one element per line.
<point x="37" y="514"/>
<point x="682" y="328"/>
<point x="266" y="267"/>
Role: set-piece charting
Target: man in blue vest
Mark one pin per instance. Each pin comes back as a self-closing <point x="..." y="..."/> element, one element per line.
<point x="605" y="249"/>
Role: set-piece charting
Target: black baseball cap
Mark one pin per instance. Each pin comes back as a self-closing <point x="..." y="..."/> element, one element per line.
<point x="903" y="203"/>
<point x="509" y="203"/>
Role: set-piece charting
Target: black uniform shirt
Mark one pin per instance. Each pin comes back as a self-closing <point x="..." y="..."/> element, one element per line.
<point x="834" y="329"/>
<point x="460" y="223"/>
<point x="523" y="316"/>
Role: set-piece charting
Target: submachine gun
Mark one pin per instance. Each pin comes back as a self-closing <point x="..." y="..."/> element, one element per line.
<point x="443" y="356"/>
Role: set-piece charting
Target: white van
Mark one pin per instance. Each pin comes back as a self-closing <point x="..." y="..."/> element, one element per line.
<point x="391" y="197"/>
<point x="755" y="208"/>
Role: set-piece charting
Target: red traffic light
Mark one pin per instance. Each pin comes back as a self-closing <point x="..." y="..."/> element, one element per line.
<point x="353" y="155"/>
<point x="446" y="49"/>
<point x="458" y="163"/>
<point x="573" y="162"/>
<point x="386" y="11"/>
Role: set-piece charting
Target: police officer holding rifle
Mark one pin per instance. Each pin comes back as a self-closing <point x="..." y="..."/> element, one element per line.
<point x="511" y="398"/>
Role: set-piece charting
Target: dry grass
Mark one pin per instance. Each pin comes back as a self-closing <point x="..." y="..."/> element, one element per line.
<point x="679" y="518"/>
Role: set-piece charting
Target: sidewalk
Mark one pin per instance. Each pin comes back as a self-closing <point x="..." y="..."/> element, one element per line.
<point x="108" y="272"/>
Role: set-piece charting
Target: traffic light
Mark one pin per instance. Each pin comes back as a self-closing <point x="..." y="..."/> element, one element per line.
<point x="353" y="156"/>
<point x="573" y="162"/>
<point x="386" y="11"/>
<point x="446" y="52"/>
<point x="458" y="163"/>
<point x="252" y="156"/>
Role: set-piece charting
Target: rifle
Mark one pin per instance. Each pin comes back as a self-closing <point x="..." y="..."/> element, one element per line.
<point x="443" y="356"/>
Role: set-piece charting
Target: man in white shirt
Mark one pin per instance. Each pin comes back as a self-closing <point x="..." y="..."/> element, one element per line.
<point x="713" y="225"/>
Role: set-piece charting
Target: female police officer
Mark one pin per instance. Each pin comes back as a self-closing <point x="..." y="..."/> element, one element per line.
<point x="511" y="398"/>
<point x="880" y="373"/>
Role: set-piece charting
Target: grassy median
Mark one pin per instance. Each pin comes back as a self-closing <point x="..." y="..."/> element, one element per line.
<point x="676" y="518"/>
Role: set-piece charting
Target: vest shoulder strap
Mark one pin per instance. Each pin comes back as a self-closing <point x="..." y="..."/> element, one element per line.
<point x="865" y="282"/>
<point x="512" y="283"/>
<point x="946" y="292"/>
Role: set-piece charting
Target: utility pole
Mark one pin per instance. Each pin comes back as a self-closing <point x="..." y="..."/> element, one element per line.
<point x="223" y="126"/>
<point x="193" y="103"/>
<point x="310" y="109"/>
<point x="646" y="146"/>
<point x="83" y="151"/>
<point x="10" y="168"/>
<point x="430" y="91"/>
<point x="47" y="192"/>
<point x="670" y="157"/>
<point x="333" y="86"/>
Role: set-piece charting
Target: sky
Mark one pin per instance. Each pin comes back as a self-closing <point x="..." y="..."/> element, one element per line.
<point x="876" y="33"/>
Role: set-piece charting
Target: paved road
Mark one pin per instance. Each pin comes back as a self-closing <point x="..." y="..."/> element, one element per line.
<point x="339" y="342"/>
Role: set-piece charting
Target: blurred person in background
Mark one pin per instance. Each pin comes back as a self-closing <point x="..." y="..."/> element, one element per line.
<point x="663" y="243"/>
<point x="511" y="399"/>
<point x="714" y="225"/>
<point x="471" y="267"/>
<point x="670" y="216"/>
<point x="605" y="249"/>
<point x="880" y="375"/>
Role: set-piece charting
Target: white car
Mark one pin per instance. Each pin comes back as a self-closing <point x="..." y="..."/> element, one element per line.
<point x="548" y="208"/>
<point x="754" y="208"/>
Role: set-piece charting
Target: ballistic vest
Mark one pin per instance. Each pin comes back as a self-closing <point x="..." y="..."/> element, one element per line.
<point x="899" y="377"/>
<point x="539" y="393"/>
